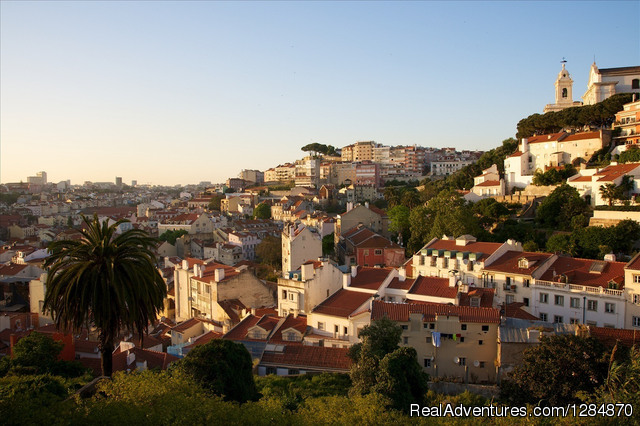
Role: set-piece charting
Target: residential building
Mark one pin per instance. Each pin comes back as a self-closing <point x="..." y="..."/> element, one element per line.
<point x="299" y="244"/>
<point x="628" y="123"/>
<point x="369" y="216"/>
<point x="589" y="181"/>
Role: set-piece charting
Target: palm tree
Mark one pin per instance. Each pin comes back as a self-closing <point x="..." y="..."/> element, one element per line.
<point x="104" y="280"/>
<point x="609" y="191"/>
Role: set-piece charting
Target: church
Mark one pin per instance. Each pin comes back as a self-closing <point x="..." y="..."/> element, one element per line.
<point x="603" y="83"/>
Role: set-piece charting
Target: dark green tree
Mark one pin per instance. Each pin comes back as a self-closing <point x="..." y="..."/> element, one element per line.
<point x="172" y="235"/>
<point x="216" y="202"/>
<point x="557" y="210"/>
<point x="269" y="252"/>
<point x="262" y="211"/>
<point x="224" y="367"/>
<point x="328" y="244"/>
<point x="557" y="370"/>
<point x="104" y="280"/>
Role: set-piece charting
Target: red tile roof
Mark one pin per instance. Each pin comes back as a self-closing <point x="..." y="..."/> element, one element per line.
<point x="486" y="249"/>
<point x="396" y="284"/>
<point x="582" y="136"/>
<point x="205" y="338"/>
<point x="299" y="324"/>
<point x="515" y="310"/>
<point x="370" y="278"/>
<point x="400" y="312"/>
<point x="239" y="332"/>
<point x="342" y="303"/>
<point x="577" y="272"/>
<point x="581" y="179"/>
<point x="516" y="154"/>
<point x="11" y="269"/>
<point x="613" y="335"/>
<point x="310" y="357"/>
<point x="489" y="183"/>
<point x="432" y="286"/>
<point x="508" y="262"/>
<point x="634" y="263"/>
<point x="545" y="138"/>
<point x="611" y="173"/>
<point x="485" y="295"/>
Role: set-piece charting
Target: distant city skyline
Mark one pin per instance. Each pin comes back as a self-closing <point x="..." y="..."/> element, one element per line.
<point x="176" y="93"/>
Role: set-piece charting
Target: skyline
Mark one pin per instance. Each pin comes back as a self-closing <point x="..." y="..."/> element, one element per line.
<point x="175" y="93"/>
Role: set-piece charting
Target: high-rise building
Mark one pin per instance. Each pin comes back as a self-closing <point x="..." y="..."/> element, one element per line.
<point x="118" y="181"/>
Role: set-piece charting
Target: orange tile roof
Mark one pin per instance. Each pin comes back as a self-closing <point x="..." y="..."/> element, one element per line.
<point x="11" y="269"/>
<point x="508" y="262"/>
<point x="610" y="173"/>
<point x="310" y="357"/>
<point x="489" y="183"/>
<point x="299" y="324"/>
<point x="370" y="278"/>
<point x="400" y="312"/>
<point x="205" y="338"/>
<point x="582" y="136"/>
<point x="516" y="154"/>
<point x="475" y="247"/>
<point x="545" y="138"/>
<point x="342" y="303"/>
<point x="582" y="179"/>
<point x="485" y="295"/>
<point x="514" y="310"/>
<point x="396" y="284"/>
<point x="613" y="335"/>
<point x="577" y="272"/>
<point x="634" y="263"/>
<point x="432" y="286"/>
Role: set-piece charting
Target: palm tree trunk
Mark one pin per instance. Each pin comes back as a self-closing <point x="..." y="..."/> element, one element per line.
<point x="106" y="357"/>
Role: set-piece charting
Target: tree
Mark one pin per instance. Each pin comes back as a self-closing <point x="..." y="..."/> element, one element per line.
<point x="557" y="210"/>
<point x="399" y="220"/>
<point x="557" y="370"/>
<point x="172" y="235"/>
<point x="224" y="367"/>
<point x="216" y="202"/>
<point x="328" y="244"/>
<point x="104" y="280"/>
<point x="381" y="366"/>
<point x="609" y="192"/>
<point x="269" y="251"/>
<point x="623" y="381"/>
<point x="262" y="211"/>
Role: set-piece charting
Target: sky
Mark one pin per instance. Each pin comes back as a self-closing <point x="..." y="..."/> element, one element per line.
<point x="181" y="92"/>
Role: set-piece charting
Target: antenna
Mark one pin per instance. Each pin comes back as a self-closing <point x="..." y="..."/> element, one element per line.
<point x="563" y="61"/>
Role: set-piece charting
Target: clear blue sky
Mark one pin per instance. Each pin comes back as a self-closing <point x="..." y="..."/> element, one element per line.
<point x="168" y="93"/>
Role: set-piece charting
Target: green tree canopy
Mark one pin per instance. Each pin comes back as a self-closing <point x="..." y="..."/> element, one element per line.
<point x="224" y="367"/>
<point x="557" y="210"/>
<point x="320" y="148"/>
<point x="106" y="280"/>
<point x="557" y="370"/>
<point x="262" y="211"/>
<point x="172" y="235"/>
<point x="216" y="202"/>
<point x="269" y="251"/>
<point x="328" y="244"/>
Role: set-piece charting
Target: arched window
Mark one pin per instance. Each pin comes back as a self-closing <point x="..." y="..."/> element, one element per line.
<point x="635" y="83"/>
<point x="564" y="92"/>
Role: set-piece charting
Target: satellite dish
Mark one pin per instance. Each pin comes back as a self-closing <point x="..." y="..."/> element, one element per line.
<point x="476" y="363"/>
<point x="456" y="360"/>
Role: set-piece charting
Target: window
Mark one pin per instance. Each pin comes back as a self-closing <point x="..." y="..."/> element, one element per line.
<point x="480" y="342"/>
<point x="345" y="330"/>
<point x="575" y="302"/>
<point x="432" y="326"/>
<point x="635" y="83"/>
<point x="559" y="300"/>
<point x="544" y="298"/>
<point x="526" y="282"/>
<point x="378" y="252"/>
<point x="366" y="252"/>
<point x="427" y="362"/>
<point x="543" y="317"/>
<point x="405" y="340"/>
<point x="320" y="326"/>
<point x="271" y="370"/>
<point x="463" y="361"/>
<point x="336" y="329"/>
<point x="485" y="328"/>
<point x="564" y="92"/>
<point x="293" y="372"/>
<point x="461" y="339"/>
<point x="508" y="281"/>
<point x="427" y="339"/>
<point x="463" y="326"/>
<point x="525" y="300"/>
<point x="291" y="296"/>
<point x="474" y="302"/>
<point x="636" y="279"/>
<point x="480" y="364"/>
<point x="557" y="319"/>
<point x="284" y="294"/>
<point x="635" y="321"/>
<point x="610" y="308"/>
<point x="574" y="321"/>
<point x="592" y="305"/>
<point x="636" y="299"/>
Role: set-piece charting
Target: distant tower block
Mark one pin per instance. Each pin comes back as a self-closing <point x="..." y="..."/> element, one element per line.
<point x="134" y="182"/>
<point x="118" y="181"/>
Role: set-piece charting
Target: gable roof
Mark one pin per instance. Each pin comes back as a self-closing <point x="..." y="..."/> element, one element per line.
<point x="486" y="249"/>
<point x="369" y="278"/>
<point x="342" y="303"/>
<point x="433" y="286"/>
<point x="310" y="357"/>
<point x="579" y="271"/>
<point x="401" y="311"/>
<point x="508" y="262"/>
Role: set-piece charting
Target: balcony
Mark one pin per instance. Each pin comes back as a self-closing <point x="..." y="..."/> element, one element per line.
<point x="511" y="288"/>
<point x="576" y="288"/>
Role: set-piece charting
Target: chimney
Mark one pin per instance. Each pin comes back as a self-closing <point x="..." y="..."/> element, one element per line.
<point x="354" y="270"/>
<point x="402" y="274"/>
<point x="452" y="281"/>
<point x="185" y="264"/>
<point x="610" y="257"/>
<point x="218" y="274"/>
<point x="306" y="271"/>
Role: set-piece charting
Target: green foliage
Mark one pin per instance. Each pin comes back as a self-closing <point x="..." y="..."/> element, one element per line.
<point x="557" y="370"/>
<point x="554" y="176"/>
<point x="269" y="251"/>
<point x="223" y="367"/>
<point x="600" y="115"/>
<point x="447" y="213"/>
<point x="593" y="242"/>
<point x="623" y="381"/>
<point x="560" y="243"/>
<point x="9" y="198"/>
<point x="381" y="366"/>
<point x="557" y="210"/>
<point x="172" y="236"/>
<point x="262" y="211"/>
<point x="38" y="354"/>
<point x="399" y="221"/>
<point x="328" y="244"/>
<point x="630" y="155"/>
<point x="104" y="279"/>
<point x="216" y="202"/>
<point x="320" y="148"/>
<point x="32" y="399"/>
<point x="292" y="392"/>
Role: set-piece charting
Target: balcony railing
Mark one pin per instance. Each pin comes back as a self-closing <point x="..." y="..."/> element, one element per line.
<point x="579" y="288"/>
